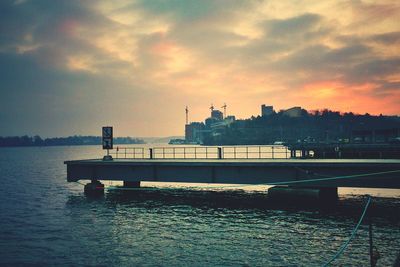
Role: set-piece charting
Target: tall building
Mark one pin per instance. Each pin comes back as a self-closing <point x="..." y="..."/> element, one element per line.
<point x="266" y="110"/>
<point x="194" y="132"/>
<point x="216" y="114"/>
<point x="293" y="112"/>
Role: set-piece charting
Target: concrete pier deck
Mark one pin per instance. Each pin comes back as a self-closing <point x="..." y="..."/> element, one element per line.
<point x="364" y="173"/>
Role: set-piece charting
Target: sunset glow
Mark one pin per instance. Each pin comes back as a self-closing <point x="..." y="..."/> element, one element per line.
<point x="137" y="64"/>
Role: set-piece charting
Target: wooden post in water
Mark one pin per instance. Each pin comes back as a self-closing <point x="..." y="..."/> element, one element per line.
<point x="373" y="255"/>
<point x="371" y="250"/>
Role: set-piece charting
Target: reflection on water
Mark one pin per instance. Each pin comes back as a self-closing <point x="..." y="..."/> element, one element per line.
<point x="47" y="221"/>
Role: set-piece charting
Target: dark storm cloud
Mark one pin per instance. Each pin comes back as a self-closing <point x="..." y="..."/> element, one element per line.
<point x="375" y="69"/>
<point x="327" y="59"/>
<point x="39" y="18"/>
<point x="37" y="86"/>
<point x="46" y="101"/>
<point x="289" y="28"/>
<point x="31" y="95"/>
<point x="193" y="10"/>
<point x="389" y="38"/>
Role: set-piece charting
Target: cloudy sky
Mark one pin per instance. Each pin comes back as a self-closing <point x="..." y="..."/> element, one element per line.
<point x="70" y="67"/>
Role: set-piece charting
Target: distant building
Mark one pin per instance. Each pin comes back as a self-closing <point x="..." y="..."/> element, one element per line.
<point x="194" y="132"/>
<point x="210" y="121"/>
<point x="266" y="110"/>
<point x="293" y="112"/>
<point x="216" y="114"/>
<point x="375" y="135"/>
<point x="229" y="119"/>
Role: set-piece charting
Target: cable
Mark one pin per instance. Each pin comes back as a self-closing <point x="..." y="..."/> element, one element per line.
<point x="334" y="178"/>
<point x="353" y="233"/>
<point x="316" y="179"/>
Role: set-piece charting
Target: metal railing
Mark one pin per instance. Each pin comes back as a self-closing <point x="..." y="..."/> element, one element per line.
<point x="202" y="152"/>
<point x="256" y="152"/>
<point x="129" y="153"/>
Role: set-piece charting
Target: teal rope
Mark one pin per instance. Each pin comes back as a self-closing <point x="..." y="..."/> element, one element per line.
<point x="333" y="178"/>
<point x="353" y="233"/>
<point x="315" y="179"/>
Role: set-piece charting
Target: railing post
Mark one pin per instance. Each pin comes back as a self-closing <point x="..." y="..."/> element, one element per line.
<point x="247" y="152"/>
<point x="259" y="152"/>
<point x="184" y="152"/>
<point x="151" y="153"/>
<point x="273" y="153"/>
<point x="219" y="152"/>
<point x="125" y="152"/>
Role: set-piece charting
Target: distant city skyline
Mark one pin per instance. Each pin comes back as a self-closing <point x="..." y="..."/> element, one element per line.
<point x="71" y="67"/>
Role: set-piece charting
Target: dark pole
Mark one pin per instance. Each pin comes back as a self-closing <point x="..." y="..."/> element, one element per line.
<point x="219" y="152"/>
<point x="371" y="252"/>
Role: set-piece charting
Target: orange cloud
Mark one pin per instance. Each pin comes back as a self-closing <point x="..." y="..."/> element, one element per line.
<point x="344" y="97"/>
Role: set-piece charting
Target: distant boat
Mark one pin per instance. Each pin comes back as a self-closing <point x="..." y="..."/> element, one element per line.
<point x="177" y="142"/>
<point x="182" y="142"/>
<point x="279" y="143"/>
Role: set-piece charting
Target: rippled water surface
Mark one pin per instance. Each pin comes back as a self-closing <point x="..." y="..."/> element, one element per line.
<point x="46" y="221"/>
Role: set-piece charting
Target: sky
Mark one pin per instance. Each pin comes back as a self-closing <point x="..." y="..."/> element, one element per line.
<point x="70" y="67"/>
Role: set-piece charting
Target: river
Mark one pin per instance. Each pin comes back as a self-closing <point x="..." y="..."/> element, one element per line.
<point x="46" y="221"/>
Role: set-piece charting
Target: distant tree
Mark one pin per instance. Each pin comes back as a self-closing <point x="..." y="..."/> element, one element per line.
<point x="38" y="141"/>
<point x="62" y="141"/>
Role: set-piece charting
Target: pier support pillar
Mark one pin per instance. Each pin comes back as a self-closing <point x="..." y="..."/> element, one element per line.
<point x="303" y="193"/>
<point x="130" y="184"/>
<point x="94" y="188"/>
<point x="107" y="157"/>
<point x="305" y="153"/>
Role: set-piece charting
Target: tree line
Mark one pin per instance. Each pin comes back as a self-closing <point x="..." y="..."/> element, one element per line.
<point x="75" y="140"/>
<point x="318" y="126"/>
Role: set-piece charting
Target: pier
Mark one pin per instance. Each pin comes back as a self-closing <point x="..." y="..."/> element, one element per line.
<point x="214" y="166"/>
<point x="346" y="151"/>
